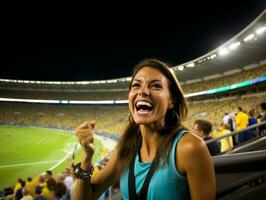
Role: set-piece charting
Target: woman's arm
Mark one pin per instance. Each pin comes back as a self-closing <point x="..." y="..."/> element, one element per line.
<point x="92" y="188"/>
<point x="194" y="161"/>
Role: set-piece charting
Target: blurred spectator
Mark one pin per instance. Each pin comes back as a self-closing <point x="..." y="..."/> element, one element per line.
<point x="17" y="186"/>
<point x="48" y="174"/>
<point x="231" y="121"/>
<point x="226" y="118"/>
<point x="68" y="182"/>
<point x="19" y="193"/>
<point x="262" y="129"/>
<point x="38" y="192"/>
<point x="60" y="178"/>
<point x="30" y="184"/>
<point x="263" y="107"/>
<point x="26" y="195"/>
<point x="203" y="128"/>
<point x="50" y="185"/>
<point x="8" y="191"/>
<point x="241" y="121"/>
<point x="226" y="143"/>
<point x="252" y="120"/>
<point x="60" y="191"/>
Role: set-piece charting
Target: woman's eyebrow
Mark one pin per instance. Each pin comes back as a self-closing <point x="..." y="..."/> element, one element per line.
<point x="155" y="80"/>
<point x="136" y="80"/>
<point x="152" y="81"/>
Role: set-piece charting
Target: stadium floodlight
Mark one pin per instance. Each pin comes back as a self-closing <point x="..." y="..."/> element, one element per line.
<point x="195" y="94"/>
<point x="191" y="65"/>
<point x="112" y="81"/>
<point x="64" y="101"/>
<point x="94" y="82"/>
<point x="180" y="68"/>
<point x="261" y="30"/>
<point x="249" y="37"/>
<point x="213" y="56"/>
<point x="121" y="101"/>
<point x="91" y="102"/>
<point x="234" y="45"/>
<point x="29" y="100"/>
<point x="53" y="82"/>
<point x="223" y="51"/>
<point x="83" y="82"/>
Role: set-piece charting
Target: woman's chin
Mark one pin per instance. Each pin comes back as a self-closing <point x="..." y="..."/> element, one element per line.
<point x="143" y="121"/>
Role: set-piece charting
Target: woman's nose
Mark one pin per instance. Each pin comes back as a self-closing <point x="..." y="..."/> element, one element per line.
<point x="144" y="92"/>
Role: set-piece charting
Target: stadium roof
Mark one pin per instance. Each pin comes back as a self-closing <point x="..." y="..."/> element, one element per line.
<point x="243" y="51"/>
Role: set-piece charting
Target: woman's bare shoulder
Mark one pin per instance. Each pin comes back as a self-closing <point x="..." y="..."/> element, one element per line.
<point x="190" y="140"/>
<point x="191" y="147"/>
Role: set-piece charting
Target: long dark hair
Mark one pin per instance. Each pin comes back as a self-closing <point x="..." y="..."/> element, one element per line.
<point x="127" y="145"/>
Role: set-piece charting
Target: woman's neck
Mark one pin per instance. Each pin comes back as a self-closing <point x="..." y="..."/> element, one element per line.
<point x="149" y="143"/>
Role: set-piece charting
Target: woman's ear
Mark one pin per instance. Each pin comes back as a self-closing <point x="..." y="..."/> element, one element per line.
<point x="171" y="104"/>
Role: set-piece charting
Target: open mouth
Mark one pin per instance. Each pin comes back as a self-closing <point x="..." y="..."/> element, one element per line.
<point x="144" y="106"/>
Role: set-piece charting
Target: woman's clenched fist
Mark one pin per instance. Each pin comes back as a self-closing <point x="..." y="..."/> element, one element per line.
<point x="84" y="134"/>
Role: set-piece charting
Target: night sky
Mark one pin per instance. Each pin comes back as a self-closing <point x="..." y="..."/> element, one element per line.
<point x="65" y="46"/>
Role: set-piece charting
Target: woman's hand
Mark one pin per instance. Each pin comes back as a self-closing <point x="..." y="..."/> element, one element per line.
<point x="84" y="134"/>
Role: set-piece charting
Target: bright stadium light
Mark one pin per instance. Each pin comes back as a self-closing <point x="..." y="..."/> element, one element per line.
<point x="213" y="56"/>
<point x="234" y="45"/>
<point x="83" y="82"/>
<point x="261" y="30"/>
<point x="249" y="37"/>
<point x="121" y="101"/>
<point x="91" y="102"/>
<point x="223" y="51"/>
<point x="112" y="81"/>
<point x="29" y="100"/>
<point x="180" y="68"/>
<point x="190" y="65"/>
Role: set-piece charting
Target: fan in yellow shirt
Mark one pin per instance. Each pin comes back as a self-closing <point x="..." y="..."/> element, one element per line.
<point x="226" y="143"/>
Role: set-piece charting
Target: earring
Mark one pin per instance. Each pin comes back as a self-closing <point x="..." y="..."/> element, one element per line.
<point x="171" y="119"/>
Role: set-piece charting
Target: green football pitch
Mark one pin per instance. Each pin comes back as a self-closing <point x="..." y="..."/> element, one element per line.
<point x="29" y="151"/>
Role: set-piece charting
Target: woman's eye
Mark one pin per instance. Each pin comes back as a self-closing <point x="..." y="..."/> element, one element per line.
<point x="156" y="86"/>
<point x="135" y="85"/>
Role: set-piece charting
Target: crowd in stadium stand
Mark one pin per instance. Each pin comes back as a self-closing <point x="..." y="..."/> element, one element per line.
<point x="225" y="80"/>
<point x="42" y="187"/>
<point x="85" y="95"/>
<point x="113" y="118"/>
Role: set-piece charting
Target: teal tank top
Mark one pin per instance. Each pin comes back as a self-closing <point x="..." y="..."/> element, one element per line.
<point x="166" y="183"/>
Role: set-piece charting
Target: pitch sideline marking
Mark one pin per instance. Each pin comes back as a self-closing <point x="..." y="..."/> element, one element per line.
<point x="29" y="163"/>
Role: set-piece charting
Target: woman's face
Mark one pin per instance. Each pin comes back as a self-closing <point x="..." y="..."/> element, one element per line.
<point x="149" y="97"/>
